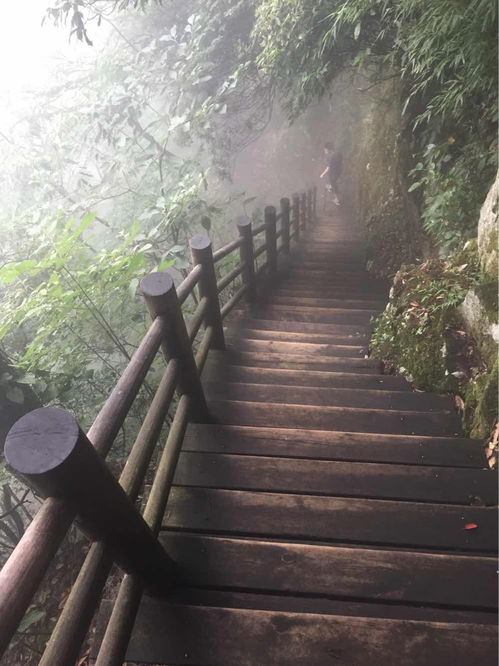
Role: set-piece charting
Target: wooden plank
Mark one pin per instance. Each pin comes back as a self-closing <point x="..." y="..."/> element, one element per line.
<point x="328" y="605"/>
<point x="325" y="445"/>
<point x="363" y="292"/>
<point x="172" y="633"/>
<point x="293" y="336"/>
<point x="340" y="479"/>
<point x="304" y="348"/>
<point x="331" y="303"/>
<point x="313" y="315"/>
<point x="339" y="397"/>
<point x="301" y="362"/>
<point x="219" y="371"/>
<point x="362" y="573"/>
<point x="242" y="319"/>
<point x="327" y="519"/>
<point x="279" y="415"/>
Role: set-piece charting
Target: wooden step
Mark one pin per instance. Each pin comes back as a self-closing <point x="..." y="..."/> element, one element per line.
<point x="329" y="303"/>
<point x="335" y="445"/>
<point x="179" y="633"/>
<point x="337" y="397"/>
<point x="334" y="571"/>
<point x="330" y="519"/>
<point x="332" y="293"/>
<point x="299" y="361"/>
<point x="244" y="320"/>
<point x="279" y="415"/>
<point x="340" y="479"/>
<point x="222" y="371"/>
<point x="241" y="343"/>
<point x="311" y="315"/>
<point x="241" y="333"/>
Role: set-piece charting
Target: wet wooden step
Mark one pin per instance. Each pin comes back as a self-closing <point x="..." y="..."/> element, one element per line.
<point x="332" y="293"/>
<point x="322" y="519"/>
<point x="279" y="415"/>
<point x="222" y="371"/>
<point x="352" y="317"/>
<point x="335" y="445"/>
<point x="242" y="333"/>
<point x="337" y="397"/>
<point x="176" y="633"/>
<point x="315" y="570"/>
<point x="330" y="303"/>
<point x="301" y="348"/>
<point x="299" y="361"/>
<point x="244" y="319"/>
<point x="340" y="479"/>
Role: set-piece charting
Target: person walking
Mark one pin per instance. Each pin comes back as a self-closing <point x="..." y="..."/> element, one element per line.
<point x="333" y="169"/>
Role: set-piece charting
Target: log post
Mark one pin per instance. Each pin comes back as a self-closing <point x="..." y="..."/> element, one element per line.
<point x="285" y="224"/>
<point x="310" y="217"/>
<point x="161" y="299"/>
<point x="202" y="253"/>
<point x="314" y="203"/>
<point x="303" y="206"/>
<point x="270" y="239"/>
<point x="48" y="448"/>
<point x="296" y="216"/>
<point x="246" y="253"/>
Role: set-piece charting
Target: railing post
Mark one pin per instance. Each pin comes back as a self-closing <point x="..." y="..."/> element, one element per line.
<point x="296" y="216"/>
<point x="161" y="299"/>
<point x="285" y="224"/>
<point x="202" y="253"/>
<point x="303" y="206"/>
<point x="48" y="448"/>
<point x="314" y="203"/>
<point x="270" y="239"/>
<point x="246" y="253"/>
<point x="310" y="217"/>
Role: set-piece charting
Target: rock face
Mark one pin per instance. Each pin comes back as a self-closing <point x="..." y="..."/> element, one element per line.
<point x="488" y="232"/>
<point x="376" y="167"/>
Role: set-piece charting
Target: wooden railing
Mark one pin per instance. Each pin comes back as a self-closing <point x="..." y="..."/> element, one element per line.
<point x="50" y="451"/>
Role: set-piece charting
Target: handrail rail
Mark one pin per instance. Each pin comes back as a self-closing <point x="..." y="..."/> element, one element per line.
<point x="25" y="569"/>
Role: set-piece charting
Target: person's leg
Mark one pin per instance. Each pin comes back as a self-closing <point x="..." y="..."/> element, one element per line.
<point x="334" y="190"/>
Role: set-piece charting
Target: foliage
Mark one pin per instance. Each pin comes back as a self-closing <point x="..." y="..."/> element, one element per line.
<point x="446" y="54"/>
<point x="414" y="331"/>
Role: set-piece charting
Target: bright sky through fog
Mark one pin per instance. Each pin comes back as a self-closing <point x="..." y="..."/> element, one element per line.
<point x="27" y="47"/>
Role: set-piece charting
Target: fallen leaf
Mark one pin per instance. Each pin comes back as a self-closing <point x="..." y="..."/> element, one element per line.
<point x="459" y="402"/>
<point x="470" y="526"/>
<point x="459" y="269"/>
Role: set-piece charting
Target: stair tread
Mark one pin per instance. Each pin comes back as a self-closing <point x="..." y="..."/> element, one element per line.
<point x="332" y="519"/>
<point x="335" y="445"/>
<point x="180" y="633"/>
<point x="337" y="478"/>
<point x="284" y="415"/>
<point x="338" y="397"/>
<point x="219" y="369"/>
<point x="312" y="569"/>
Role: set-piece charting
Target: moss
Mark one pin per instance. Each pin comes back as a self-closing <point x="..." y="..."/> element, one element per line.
<point x="487" y="293"/>
<point x="480" y="400"/>
<point x="422" y="334"/>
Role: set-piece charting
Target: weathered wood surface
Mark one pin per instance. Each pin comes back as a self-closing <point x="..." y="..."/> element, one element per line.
<point x="348" y="520"/>
<point x="347" y="479"/>
<point x="201" y="635"/>
<point x="330" y="514"/>
<point x="330" y="445"/>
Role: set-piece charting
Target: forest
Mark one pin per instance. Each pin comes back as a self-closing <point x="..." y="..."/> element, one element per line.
<point x="164" y="119"/>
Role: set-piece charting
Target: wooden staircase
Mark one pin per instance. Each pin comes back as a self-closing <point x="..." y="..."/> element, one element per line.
<point x="331" y="515"/>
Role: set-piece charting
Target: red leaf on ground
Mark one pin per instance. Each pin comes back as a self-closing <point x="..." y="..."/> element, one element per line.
<point x="470" y="526"/>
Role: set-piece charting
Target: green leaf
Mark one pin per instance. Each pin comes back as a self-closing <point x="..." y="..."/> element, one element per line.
<point x="31" y="617"/>
<point x="15" y="394"/>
